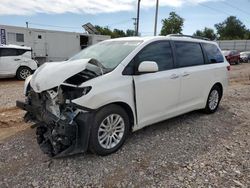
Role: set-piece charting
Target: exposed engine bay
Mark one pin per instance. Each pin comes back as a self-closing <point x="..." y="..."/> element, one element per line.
<point x="62" y="126"/>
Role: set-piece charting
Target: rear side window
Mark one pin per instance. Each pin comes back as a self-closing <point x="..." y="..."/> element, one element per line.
<point x="21" y="51"/>
<point x="8" y="52"/>
<point x="213" y="53"/>
<point x="160" y="52"/>
<point x="188" y="54"/>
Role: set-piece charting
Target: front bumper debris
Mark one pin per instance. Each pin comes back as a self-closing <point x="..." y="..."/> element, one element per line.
<point x="59" y="137"/>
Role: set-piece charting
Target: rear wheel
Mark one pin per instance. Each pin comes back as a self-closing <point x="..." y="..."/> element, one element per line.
<point x="23" y="73"/>
<point x="109" y="131"/>
<point x="213" y="99"/>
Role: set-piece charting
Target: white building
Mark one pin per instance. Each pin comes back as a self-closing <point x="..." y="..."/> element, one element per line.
<point x="240" y="45"/>
<point x="48" y="45"/>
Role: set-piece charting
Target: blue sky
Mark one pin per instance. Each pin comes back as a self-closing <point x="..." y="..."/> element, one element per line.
<point x="69" y="15"/>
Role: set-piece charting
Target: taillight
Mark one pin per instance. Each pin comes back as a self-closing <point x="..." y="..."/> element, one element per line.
<point x="228" y="67"/>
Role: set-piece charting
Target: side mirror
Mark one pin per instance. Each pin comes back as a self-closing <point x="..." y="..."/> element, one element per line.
<point x="148" y="67"/>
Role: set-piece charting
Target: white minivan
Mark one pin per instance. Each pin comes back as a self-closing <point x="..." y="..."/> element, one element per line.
<point x="16" y="61"/>
<point x="93" y="100"/>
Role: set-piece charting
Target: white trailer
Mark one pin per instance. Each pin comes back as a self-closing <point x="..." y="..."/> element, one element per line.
<point x="48" y="45"/>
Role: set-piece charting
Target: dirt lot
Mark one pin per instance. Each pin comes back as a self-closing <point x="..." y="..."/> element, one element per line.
<point x="193" y="150"/>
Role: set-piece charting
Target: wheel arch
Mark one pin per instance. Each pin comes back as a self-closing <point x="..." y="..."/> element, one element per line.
<point x="21" y="66"/>
<point x="220" y="86"/>
<point x="127" y="109"/>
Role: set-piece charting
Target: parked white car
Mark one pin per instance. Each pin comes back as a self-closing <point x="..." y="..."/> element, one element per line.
<point x="245" y="57"/>
<point x="16" y="61"/>
<point x="93" y="100"/>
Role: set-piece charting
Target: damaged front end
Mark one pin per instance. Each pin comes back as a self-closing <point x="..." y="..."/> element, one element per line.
<point x="63" y="127"/>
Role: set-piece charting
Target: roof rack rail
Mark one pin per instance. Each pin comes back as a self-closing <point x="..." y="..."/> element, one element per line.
<point x="190" y="36"/>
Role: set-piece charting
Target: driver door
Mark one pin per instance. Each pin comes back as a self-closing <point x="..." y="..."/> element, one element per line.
<point x="157" y="94"/>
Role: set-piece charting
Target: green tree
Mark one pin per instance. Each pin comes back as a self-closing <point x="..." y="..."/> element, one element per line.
<point x="103" y="30"/>
<point x="207" y="33"/>
<point x="232" y="28"/>
<point x="130" y="32"/>
<point x="115" y="33"/>
<point x="118" y="33"/>
<point x="172" y="25"/>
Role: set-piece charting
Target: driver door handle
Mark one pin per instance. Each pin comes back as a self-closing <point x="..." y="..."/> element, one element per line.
<point x="17" y="59"/>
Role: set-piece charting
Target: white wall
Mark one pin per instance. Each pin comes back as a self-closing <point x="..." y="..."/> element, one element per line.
<point x="50" y="45"/>
<point x="240" y="45"/>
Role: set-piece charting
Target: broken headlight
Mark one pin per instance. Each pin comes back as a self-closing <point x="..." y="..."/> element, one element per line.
<point x="71" y="92"/>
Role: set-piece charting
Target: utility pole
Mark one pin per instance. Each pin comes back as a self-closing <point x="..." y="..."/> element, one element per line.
<point x="138" y="18"/>
<point x="27" y="25"/>
<point x="135" y="24"/>
<point x="156" y="16"/>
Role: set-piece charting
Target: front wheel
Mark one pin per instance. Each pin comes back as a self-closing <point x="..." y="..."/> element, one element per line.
<point x="213" y="100"/>
<point x="109" y="130"/>
<point x="23" y="73"/>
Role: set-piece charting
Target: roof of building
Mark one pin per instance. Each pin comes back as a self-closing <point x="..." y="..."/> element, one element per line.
<point x="15" y="47"/>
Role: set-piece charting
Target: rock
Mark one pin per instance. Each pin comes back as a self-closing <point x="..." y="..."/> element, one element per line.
<point x="141" y="173"/>
<point x="202" y="165"/>
<point x="34" y="184"/>
<point x="227" y="147"/>
<point x="180" y="178"/>
<point x="239" y="183"/>
<point x="237" y="172"/>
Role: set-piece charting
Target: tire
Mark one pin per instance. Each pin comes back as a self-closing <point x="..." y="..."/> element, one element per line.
<point x="213" y="100"/>
<point x="23" y="72"/>
<point x="103" y="140"/>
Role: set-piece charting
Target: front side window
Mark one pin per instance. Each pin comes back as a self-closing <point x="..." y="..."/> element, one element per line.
<point x="8" y="52"/>
<point x="213" y="53"/>
<point x="188" y="54"/>
<point x="159" y="52"/>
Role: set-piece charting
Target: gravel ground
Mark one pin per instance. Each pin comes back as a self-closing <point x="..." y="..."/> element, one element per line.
<point x="192" y="150"/>
<point x="10" y="91"/>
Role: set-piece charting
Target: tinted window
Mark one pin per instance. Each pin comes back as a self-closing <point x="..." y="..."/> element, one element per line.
<point x="188" y="54"/>
<point x="213" y="53"/>
<point x="8" y="52"/>
<point x="159" y="52"/>
<point x="21" y="51"/>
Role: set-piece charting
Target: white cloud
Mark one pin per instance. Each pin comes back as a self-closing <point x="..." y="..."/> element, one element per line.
<point x="27" y="7"/>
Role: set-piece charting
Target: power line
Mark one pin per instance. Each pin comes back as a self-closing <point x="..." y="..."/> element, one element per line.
<point x="119" y="23"/>
<point x="31" y="23"/>
<point x="214" y="9"/>
<point x="217" y="10"/>
<point x="232" y="6"/>
<point x="75" y="27"/>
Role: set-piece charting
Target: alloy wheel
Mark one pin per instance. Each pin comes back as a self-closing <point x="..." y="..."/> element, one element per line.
<point x="111" y="131"/>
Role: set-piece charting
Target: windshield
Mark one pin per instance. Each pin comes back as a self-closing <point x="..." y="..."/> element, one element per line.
<point x="108" y="53"/>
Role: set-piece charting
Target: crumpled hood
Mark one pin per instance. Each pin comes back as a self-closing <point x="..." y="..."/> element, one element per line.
<point x="50" y="75"/>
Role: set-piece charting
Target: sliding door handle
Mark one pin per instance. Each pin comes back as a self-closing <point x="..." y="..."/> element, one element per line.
<point x="185" y="74"/>
<point x="174" y="76"/>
